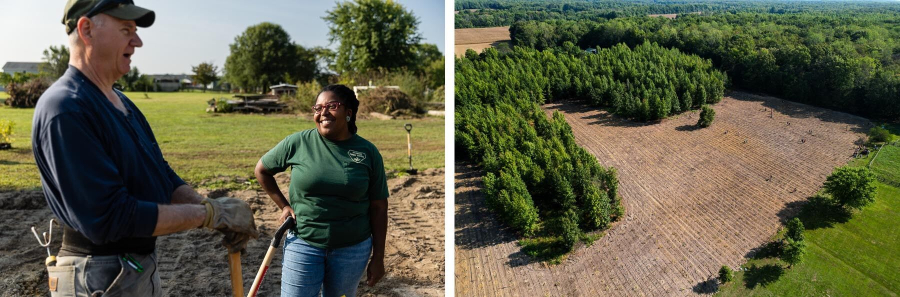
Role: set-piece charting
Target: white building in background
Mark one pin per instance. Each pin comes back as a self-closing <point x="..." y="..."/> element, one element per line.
<point x="26" y="67"/>
<point x="20" y="67"/>
<point x="170" y="82"/>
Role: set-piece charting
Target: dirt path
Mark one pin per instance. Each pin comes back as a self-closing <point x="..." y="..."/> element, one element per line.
<point x="193" y="263"/>
<point x="695" y="199"/>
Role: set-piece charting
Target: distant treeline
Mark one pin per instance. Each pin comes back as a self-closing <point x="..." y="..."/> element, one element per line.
<point x="845" y="63"/>
<point x="494" y="13"/>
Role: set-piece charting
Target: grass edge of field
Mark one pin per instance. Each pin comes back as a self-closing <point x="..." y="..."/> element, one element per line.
<point x="739" y="286"/>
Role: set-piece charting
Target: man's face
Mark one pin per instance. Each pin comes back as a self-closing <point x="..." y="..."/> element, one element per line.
<point x="113" y="44"/>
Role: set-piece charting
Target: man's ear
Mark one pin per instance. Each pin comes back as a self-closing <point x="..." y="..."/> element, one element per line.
<point x="84" y="27"/>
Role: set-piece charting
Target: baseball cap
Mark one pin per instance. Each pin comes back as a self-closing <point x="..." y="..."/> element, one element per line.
<point x="122" y="9"/>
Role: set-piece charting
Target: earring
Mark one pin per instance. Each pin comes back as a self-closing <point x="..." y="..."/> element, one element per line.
<point x="348" y="118"/>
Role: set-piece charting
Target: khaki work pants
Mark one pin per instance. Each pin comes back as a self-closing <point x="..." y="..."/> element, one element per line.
<point x="94" y="276"/>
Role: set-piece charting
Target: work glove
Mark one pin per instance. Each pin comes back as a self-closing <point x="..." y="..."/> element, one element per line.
<point x="232" y="217"/>
<point x="235" y="242"/>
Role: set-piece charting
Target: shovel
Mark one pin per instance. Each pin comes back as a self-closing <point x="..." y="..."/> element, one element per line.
<point x="237" y="280"/>
<point x="288" y="223"/>
<point x="408" y="128"/>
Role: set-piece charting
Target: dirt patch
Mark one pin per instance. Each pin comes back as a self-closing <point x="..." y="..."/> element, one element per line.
<point x="695" y="199"/>
<point x="414" y="253"/>
<point x="479" y="39"/>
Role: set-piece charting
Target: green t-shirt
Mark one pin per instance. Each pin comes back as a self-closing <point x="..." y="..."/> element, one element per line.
<point x="332" y="183"/>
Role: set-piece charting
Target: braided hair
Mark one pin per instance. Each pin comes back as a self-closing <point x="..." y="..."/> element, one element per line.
<point x="348" y="98"/>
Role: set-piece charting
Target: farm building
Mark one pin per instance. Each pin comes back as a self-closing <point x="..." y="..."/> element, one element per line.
<point x="170" y="82"/>
<point x="17" y="67"/>
<point x="283" y="89"/>
<point x="26" y="67"/>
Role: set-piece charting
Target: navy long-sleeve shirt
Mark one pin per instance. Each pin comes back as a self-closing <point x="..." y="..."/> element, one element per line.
<point x="102" y="171"/>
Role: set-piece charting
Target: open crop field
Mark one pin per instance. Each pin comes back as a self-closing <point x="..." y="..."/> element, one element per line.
<point x="220" y="150"/>
<point x="695" y="199"/>
<point x="479" y="39"/>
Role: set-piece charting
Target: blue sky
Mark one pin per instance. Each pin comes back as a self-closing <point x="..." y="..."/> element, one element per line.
<point x="190" y="32"/>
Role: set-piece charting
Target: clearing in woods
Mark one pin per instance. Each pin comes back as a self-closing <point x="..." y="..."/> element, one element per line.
<point x="695" y="199"/>
<point x="479" y="39"/>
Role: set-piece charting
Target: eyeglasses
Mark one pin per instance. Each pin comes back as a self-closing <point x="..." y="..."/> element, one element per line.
<point x="327" y="106"/>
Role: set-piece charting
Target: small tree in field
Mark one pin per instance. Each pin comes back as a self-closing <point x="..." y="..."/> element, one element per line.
<point x="205" y="73"/>
<point x="852" y="187"/>
<point x="795" y="230"/>
<point x="725" y="274"/>
<point x="793" y="252"/>
<point x="707" y="114"/>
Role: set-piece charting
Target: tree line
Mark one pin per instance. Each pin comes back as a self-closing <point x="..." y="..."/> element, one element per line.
<point x="847" y="62"/>
<point x="495" y="13"/>
<point x="646" y="83"/>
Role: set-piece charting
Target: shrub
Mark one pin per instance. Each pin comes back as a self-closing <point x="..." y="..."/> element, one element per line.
<point x="387" y="101"/>
<point x="222" y="105"/>
<point x="879" y="134"/>
<point x="707" y="114"/>
<point x="725" y="274"/>
<point x="26" y="95"/>
<point x="6" y="127"/>
<point x="305" y="98"/>
<point x="567" y="226"/>
<point x="852" y="187"/>
<point x="795" y="229"/>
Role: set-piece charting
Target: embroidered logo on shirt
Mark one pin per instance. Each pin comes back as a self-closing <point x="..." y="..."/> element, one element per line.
<point x="357" y="157"/>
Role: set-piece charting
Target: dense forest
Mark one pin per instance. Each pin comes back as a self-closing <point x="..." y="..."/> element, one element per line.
<point x="839" y="55"/>
<point x="538" y="179"/>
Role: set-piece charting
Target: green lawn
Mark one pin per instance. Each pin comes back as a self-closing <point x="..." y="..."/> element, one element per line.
<point x="857" y="256"/>
<point x="221" y="150"/>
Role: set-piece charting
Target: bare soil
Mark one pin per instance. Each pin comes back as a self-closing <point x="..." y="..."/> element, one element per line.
<point x="695" y="199"/>
<point x="194" y="263"/>
<point x="479" y="39"/>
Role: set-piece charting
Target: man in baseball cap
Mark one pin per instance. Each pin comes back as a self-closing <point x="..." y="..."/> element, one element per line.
<point x="121" y="9"/>
<point x="102" y="171"/>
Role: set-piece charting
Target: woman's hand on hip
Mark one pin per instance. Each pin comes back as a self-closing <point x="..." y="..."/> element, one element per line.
<point x="375" y="271"/>
<point x="286" y="212"/>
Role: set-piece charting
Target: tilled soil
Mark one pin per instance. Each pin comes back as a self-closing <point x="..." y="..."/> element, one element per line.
<point x="193" y="263"/>
<point x="695" y="199"/>
<point x="479" y="39"/>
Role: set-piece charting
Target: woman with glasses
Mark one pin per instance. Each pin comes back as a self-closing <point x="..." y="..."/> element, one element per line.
<point x="338" y="198"/>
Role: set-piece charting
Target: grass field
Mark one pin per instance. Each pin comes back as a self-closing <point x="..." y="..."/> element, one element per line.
<point x="855" y="256"/>
<point x="220" y="150"/>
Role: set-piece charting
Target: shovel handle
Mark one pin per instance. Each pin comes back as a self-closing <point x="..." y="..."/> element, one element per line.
<point x="237" y="281"/>
<point x="276" y="241"/>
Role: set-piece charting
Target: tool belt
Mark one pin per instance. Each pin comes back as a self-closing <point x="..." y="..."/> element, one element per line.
<point x="76" y="244"/>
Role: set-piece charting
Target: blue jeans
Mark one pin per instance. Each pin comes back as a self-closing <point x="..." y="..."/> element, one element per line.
<point x="311" y="271"/>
